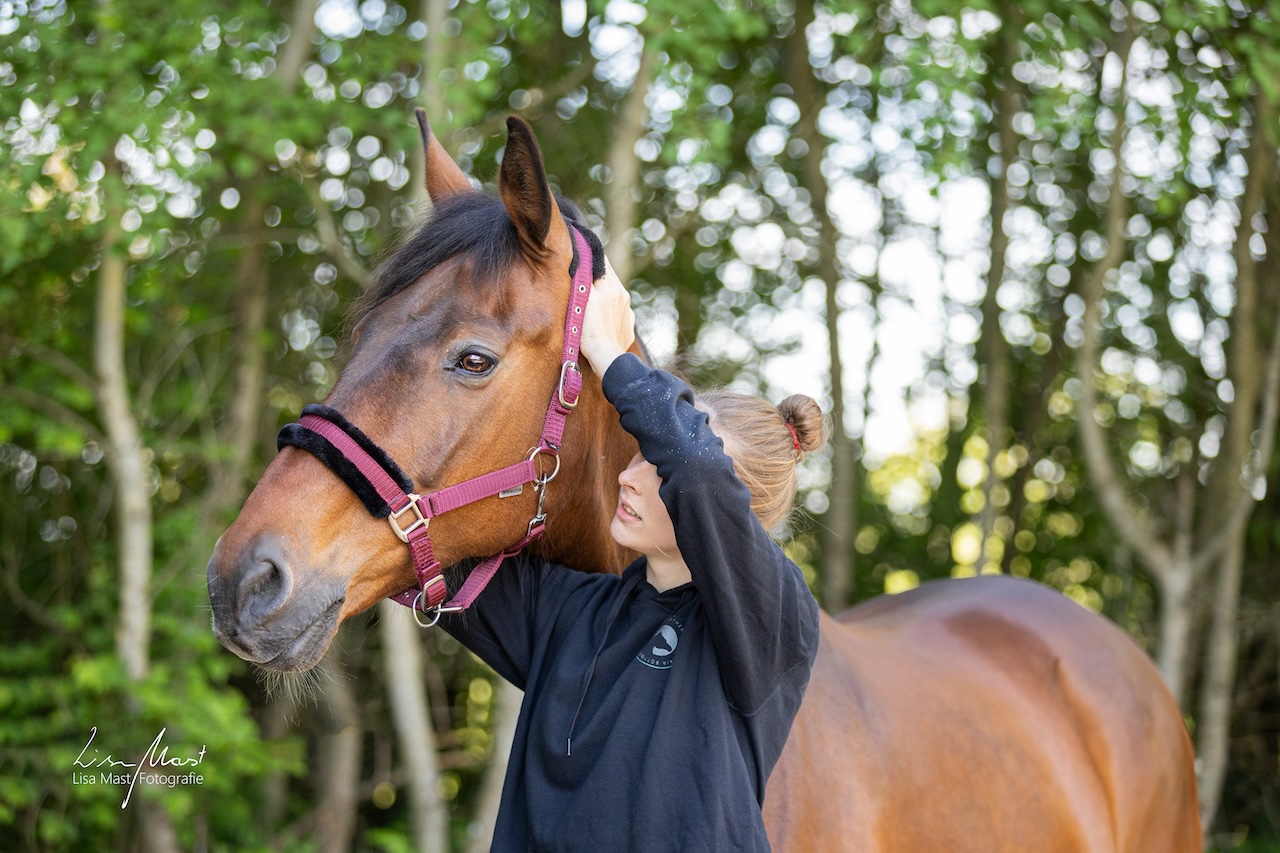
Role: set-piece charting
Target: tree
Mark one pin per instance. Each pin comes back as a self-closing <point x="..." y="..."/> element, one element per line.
<point x="1023" y="253"/>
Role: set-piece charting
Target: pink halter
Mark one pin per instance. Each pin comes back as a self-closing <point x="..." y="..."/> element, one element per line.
<point x="388" y="493"/>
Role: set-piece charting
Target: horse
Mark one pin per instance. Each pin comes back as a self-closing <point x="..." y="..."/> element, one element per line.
<point x="983" y="714"/>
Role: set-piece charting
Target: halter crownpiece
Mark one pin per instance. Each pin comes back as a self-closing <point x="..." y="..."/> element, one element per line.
<point x="387" y="492"/>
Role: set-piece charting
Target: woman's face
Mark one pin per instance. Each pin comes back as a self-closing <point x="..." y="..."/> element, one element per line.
<point x="641" y="521"/>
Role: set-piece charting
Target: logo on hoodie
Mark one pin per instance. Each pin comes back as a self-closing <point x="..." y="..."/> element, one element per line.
<point x="659" y="652"/>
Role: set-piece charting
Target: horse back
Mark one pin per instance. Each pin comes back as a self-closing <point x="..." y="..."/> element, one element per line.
<point x="983" y="714"/>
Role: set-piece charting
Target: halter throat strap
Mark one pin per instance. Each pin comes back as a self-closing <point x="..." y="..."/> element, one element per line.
<point x="387" y="492"/>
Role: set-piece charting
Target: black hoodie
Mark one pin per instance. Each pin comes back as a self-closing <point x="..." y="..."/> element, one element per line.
<point x="651" y="720"/>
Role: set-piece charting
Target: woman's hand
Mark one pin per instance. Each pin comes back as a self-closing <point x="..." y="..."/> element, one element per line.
<point x="609" y="326"/>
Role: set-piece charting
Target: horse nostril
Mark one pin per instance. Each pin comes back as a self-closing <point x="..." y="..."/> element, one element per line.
<point x="264" y="587"/>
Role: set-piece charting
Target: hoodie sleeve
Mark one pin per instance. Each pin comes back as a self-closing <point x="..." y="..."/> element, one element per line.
<point x="763" y="619"/>
<point x="501" y="625"/>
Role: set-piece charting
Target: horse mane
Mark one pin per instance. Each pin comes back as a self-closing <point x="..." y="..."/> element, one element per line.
<point x="473" y="223"/>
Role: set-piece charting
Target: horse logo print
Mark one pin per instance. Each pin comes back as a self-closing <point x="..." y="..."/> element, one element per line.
<point x="659" y="652"/>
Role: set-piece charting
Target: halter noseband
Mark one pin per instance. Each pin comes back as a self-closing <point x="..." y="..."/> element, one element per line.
<point x="388" y="493"/>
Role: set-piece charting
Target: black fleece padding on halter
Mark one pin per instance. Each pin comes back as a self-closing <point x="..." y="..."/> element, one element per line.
<point x="317" y="445"/>
<point x="597" y="251"/>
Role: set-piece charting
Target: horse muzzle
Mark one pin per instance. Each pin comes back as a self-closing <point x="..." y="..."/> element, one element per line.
<point x="261" y="615"/>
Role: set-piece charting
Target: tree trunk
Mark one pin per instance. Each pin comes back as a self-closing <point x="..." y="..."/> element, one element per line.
<point x="1177" y="623"/>
<point x="407" y="696"/>
<point x="275" y="786"/>
<point x="1241" y="464"/>
<point x="840" y="523"/>
<point x="156" y="827"/>
<point x="243" y="422"/>
<point x="507" y="710"/>
<point x="434" y="49"/>
<point x="620" y="195"/>
<point x="1172" y="568"/>
<point x="1030" y="430"/>
<point x="127" y="459"/>
<point x="338" y="767"/>
<point x="1213" y="723"/>
<point x="995" y="394"/>
<point x="1217" y="691"/>
<point x="302" y="28"/>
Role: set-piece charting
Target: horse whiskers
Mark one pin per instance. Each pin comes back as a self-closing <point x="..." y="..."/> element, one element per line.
<point x="295" y="689"/>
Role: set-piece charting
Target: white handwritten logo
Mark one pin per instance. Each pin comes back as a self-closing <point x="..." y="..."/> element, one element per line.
<point x="156" y="756"/>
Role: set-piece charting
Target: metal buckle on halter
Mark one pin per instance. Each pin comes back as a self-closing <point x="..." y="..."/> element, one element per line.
<point x="438" y="610"/>
<point x="421" y="520"/>
<point x="564" y="373"/>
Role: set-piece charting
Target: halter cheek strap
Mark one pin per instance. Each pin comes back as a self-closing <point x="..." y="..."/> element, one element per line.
<point x="387" y="492"/>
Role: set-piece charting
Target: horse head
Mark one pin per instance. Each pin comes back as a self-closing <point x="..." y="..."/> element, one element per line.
<point x="454" y="357"/>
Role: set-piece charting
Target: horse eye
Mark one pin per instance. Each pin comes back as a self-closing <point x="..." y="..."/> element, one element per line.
<point x="475" y="363"/>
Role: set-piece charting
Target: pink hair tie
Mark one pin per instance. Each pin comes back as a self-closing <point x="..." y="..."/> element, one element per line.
<point x="794" y="439"/>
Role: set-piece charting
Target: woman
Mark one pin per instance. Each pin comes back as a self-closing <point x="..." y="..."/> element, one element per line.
<point x="657" y="702"/>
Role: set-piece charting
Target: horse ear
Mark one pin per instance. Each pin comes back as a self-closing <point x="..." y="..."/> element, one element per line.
<point x="523" y="185"/>
<point x="443" y="177"/>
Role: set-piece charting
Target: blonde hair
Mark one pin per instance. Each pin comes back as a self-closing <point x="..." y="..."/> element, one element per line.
<point x="765" y="443"/>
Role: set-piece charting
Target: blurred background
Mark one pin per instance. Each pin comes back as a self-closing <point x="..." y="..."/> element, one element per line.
<point x="1024" y="252"/>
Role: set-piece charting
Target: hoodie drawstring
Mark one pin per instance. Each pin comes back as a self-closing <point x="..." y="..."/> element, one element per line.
<point x="628" y="585"/>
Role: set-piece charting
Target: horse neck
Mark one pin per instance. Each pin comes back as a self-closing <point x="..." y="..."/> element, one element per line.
<point x="582" y="499"/>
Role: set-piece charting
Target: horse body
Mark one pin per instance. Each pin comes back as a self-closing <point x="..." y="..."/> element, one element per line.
<point x="985" y="714"/>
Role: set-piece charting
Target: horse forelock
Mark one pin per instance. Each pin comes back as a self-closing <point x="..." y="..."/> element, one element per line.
<point x="475" y="224"/>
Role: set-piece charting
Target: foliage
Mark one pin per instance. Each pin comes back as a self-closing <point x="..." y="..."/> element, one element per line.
<point x="169" y="126"/>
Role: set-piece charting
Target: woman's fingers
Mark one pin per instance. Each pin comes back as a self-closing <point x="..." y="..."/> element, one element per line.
<point x="618" y="306"/>
<point x="619" y="300"/>
<point x="608" y="328"/>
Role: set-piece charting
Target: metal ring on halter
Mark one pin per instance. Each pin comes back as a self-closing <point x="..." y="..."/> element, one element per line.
<point x="553" y="452"/>
<point x="416" y="610"/>
<point x="439" y="610"/>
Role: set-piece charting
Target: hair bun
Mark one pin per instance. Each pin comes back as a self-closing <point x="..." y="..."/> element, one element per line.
<point x="804" y="415"/>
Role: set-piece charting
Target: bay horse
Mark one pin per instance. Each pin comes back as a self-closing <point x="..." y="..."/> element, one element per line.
<point x="987" y="714"/>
